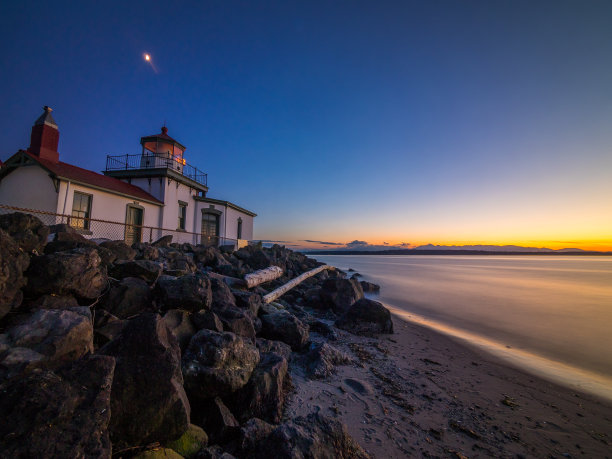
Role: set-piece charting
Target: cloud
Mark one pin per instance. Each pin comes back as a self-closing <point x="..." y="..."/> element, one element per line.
<point x="356" y="244"/>
<point x="322" y="242"/>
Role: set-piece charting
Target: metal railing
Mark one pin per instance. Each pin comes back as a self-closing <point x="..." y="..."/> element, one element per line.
<point x="156" y="161"/>
<point x="94" y="228"/>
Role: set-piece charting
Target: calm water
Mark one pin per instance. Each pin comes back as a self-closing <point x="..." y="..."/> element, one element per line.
<point x="552" y="315"/>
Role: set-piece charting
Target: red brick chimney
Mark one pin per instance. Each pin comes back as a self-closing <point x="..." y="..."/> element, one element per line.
<point x="45" y="137"/>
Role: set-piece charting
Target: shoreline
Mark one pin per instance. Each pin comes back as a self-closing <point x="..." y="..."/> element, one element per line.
<point x="556" y="372"/>
<point x="421" y="392"/>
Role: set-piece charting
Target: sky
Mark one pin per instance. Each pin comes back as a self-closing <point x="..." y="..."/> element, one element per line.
<point x="390" y="123"/>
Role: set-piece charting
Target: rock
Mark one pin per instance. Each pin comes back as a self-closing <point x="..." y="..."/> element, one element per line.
<point x="217" y="419"/>
<point x="191" y="292"/>
<point x="178" y="264"/>
<point x="13" y="262"/>
<point x="251" y="434"/>
<point x="129" y="298"/>
<point x="59" y="335"/>
<point x="207" y="319"/>
<point x="222" y="295"/>
<point x="313" y="436"/>
<point x="366" y="317"/>
<point x="369" y="287"/>
<point x="158" y="453"/>
<point x="264" y="395"/>
<point x="265" y="346"/>
<point x="27" y="231"/>
<point x="322" y="359"/>
<point x="78" y="272"/>
<point x="340" y="294"/>
<point x="120" y="250"/>
<point x="207" y="256"/>
<point x="214" y="452"/>
<point x="146" y="251"/>
<point x="236" y="320"/>
<point x="217" y="364"/>
<point x="146" y="270"/>
<point x="163" y="241"/>
<point x="192" y="441"/>
<point x="54" y="302"/>
<point x="323" y="329"/>
<point x="248" y="300"/>
<point x="284" y="326"/>
<point x="148" y="401"/>
<point x="106" y="327"/>
<point x="58" y="414"/>
<point x="180" y="324"/>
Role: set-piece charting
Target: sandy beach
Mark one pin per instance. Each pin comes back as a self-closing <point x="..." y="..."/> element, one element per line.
<point x="418" y="393"/>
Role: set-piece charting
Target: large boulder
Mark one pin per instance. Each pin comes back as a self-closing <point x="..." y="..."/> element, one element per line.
<point x="207" y="319"/>
<point x="58" y="414"/>
<point x="120" y="250"/>
<point x="322" y="360"/>
<point x="146" y="270"/>
<point x="265" y="346"/>
<point x="366" y="317"/>
<point x="339" y="294"/>
<point x="369" y="287"/>
<point x="248" y="300"/>
<point x="190" y="443"/>
<point x="148" y="401"/>
<point x="13" y="262"/>
<point x="191" y="292"/>
<point x="53" y="302"/>
<point x="58" y="336"/>
<point x="178" y="263"/>
<point x="128" y="298"/>
<point x="27" y="231"/>
<point x="313" y="436"/>
<point x="78" y="272"/>
<point x="218" y="421"/>
<point x="284" y="326"/>
<point x="180" y="324"/>
<point x="217" y="364"/>
<point x="236" y="320"/>
<point x="264" y="395"/>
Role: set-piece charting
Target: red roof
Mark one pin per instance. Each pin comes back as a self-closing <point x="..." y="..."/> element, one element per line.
<point x="94" y="179"/>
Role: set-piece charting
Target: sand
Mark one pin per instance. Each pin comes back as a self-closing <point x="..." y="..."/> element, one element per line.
<point x="419" y="393"/>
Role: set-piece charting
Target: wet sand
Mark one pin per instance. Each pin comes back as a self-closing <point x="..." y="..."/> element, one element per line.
<point x="419" y="393"/>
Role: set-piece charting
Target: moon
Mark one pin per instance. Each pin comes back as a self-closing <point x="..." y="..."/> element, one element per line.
<point x="147" y="57"/>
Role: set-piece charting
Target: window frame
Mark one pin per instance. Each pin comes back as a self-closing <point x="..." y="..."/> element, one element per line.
<point x="85" y="219"/>
<point x="182" y="215"/>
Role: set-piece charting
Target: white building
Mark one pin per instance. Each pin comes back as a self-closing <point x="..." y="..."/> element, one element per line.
<point x="152" y="193"/>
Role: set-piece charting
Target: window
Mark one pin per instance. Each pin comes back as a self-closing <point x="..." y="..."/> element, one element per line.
<point x="182" y="215"/>
<point x="239" y="231"/>
<point x="81" y="210"/>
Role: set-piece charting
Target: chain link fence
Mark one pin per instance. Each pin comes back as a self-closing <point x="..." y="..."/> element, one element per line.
<point x="93" y="228"/>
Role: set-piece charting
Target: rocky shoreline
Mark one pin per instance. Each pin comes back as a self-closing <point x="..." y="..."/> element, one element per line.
<point x="146" y="351"/>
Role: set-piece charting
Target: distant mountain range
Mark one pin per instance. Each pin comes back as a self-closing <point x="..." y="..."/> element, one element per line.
<point x="431" y="249"/>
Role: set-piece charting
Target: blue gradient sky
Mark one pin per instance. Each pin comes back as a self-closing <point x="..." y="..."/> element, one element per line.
<point x="399" y="122"/>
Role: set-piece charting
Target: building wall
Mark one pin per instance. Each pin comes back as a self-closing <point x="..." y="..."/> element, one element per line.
<point x="175" y="192"/>
<point x="155" y="186"/>
<point x="110" y="207"/>
<point x="228" y="218"/>
<point x="29" y="187"/>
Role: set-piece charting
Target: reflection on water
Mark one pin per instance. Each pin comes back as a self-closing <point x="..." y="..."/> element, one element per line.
<point x="553" y="308"/>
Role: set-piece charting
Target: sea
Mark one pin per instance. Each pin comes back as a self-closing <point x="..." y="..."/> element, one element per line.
<point x="548" y="315"/>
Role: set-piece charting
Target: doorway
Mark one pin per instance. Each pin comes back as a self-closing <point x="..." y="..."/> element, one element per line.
<point x="210" y="229"/>
<point x="133" y="224"/>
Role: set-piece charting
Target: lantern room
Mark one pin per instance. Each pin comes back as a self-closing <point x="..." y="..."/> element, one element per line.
<point x="161" y="150"/>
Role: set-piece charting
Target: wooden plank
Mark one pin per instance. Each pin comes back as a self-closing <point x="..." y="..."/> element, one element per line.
<point x="273" y="295"/>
